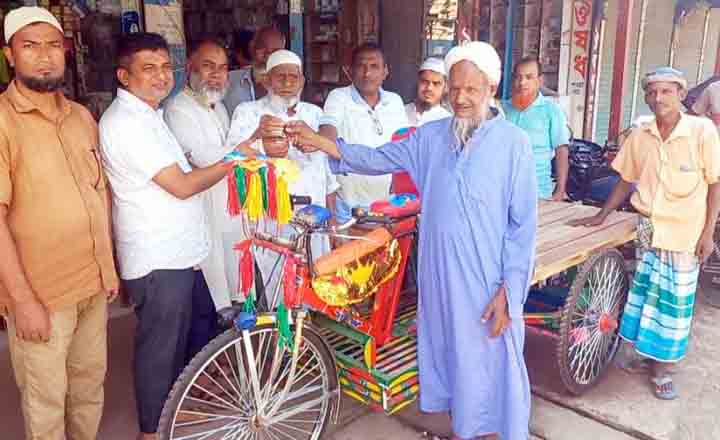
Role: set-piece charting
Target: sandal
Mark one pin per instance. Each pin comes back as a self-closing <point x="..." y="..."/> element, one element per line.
<point x="664" y="388"/>
<point x="635" y="366"/>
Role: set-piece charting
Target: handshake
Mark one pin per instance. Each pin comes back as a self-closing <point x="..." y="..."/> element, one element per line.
<point x="277" y="136"/>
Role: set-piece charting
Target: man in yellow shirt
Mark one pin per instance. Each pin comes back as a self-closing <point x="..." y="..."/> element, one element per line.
<point x="675" y="162"/>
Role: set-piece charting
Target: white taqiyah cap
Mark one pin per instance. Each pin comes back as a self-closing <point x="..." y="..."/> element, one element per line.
<point x="21" y="17"/>
<point x="433" y="64"/>
<point x="483" y="55"/>
<point x="282" y="57"/>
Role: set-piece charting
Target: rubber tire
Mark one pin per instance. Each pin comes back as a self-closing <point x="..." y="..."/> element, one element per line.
<point x="563" y="345"/>
<point x="183" y="381"/>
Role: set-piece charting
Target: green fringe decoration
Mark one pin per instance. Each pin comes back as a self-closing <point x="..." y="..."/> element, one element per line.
<point x="249" y="306"/>
<point x="241" y="187"/>
<point x="285" y="338"/>
<point x="263" y="180"/>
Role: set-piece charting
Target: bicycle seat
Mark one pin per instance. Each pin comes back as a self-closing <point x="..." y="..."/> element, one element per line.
<point x="313" y="215"/>
<point x="352" y="251"/>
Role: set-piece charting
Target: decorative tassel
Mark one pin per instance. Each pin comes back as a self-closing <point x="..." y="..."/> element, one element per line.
<point x="272" y="193"/>
<point x="290" y="284"/>
<point x="246" y="266"/>
<point x="264" y="185"/>
<point x="233" y="202"/>
<point x="249" y="305"/>
<point x="284" y="207"/>
<point x="285" y="335"/>
<point x="240" y="185"/>
<point x="253" y="205"/>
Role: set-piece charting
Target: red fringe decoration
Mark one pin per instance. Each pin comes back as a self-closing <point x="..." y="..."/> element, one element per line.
<point x="246" y="269"/>
<point x="233" y="203"/>
<point x="272" y="196"/>
<point x="289" y="285"/>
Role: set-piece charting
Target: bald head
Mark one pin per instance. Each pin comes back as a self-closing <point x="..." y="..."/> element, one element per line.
<point x="267" y="40"/>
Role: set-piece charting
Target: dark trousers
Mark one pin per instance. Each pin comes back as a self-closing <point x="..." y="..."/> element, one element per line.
<point x="165" y="302"/>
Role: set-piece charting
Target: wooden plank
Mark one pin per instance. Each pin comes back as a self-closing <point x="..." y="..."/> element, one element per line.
<point x="564" y="257"/>
<point x="545" y="207"/>
<point x="569" y="212"/>
<point x="561" y="233"/>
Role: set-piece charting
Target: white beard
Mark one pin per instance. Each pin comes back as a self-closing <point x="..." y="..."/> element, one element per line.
<point x="281" y="104"/>
<point x="464" y="128"/>
<point x="211" y="95"/>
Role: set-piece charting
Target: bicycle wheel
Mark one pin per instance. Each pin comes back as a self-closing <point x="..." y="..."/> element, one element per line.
<point x="222" y="395"/>
<point x="589" y="323"/>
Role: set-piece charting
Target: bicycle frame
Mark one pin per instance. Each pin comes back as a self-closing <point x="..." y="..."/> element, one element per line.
<point x="298" y="292"/>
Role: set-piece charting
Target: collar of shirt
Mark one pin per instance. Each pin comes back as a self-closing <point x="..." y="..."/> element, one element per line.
<point x="682" y="129"/>
<point x="136" y="103"/>
<point x="23" y="105"/>
<point x="479" y="134"/>
<point x="357" y="97"/>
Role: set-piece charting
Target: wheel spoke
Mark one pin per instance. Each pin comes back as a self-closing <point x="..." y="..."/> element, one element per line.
<point x="298" y="409"/>
<point x="230" y="389"/>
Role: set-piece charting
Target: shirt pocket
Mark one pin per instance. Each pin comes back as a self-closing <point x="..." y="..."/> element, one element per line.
<point x="682" y="182"/>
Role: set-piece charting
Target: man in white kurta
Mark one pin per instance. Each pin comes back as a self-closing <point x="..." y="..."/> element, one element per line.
<point x="431" y="87"/>
<point x="200" y="122"/>
<point x="260" y="123"/>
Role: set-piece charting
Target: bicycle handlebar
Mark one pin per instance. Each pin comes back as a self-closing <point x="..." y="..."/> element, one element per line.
<point x="364" y="216"/>
<point x="300" y="200"/>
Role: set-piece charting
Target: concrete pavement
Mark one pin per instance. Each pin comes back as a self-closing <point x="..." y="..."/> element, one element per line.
<point x="621" y="407"/>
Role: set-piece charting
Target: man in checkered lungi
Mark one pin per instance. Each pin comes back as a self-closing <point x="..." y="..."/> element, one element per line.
<point x="674" y="160"/>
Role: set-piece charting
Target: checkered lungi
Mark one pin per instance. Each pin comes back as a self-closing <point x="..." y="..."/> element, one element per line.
<point x="659" y="310"/>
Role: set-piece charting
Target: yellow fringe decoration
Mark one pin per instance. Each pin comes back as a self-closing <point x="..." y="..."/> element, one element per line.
<point x="254" y="202"/>
<point x="284" y="208"/>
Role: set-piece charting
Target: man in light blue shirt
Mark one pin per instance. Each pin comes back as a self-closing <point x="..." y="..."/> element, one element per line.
<point x="545" y="124"/>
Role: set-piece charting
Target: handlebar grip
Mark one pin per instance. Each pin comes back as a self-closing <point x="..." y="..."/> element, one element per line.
<point x="300" y="200"/>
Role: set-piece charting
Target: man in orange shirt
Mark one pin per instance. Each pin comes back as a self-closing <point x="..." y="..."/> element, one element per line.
<point x="675" y="162"/>
<point x="56" y="263"/>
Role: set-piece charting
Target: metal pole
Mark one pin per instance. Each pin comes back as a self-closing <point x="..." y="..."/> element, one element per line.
<point x="638" y="57"/>
<point x="673" y="36"/>
<point x="619" y="66"/>
<point x="703" y="46"/>
<point x="507" y="68"/>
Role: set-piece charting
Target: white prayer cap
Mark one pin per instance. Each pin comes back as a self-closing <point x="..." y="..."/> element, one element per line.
<point x="480" y="53"/>
<point x="21" y="17"/>
<point x="282" y="57"/>
<point x="433" y="64"/>
<point x="664" y="74"/>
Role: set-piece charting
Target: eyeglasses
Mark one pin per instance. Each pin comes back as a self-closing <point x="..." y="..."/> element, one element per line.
<point x="376" y="122"/>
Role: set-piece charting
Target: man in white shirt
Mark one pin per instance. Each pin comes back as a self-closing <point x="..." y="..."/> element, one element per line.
<point x="363" y="113"/>
<point x="200" y="122"/>
<point x="260" y="124"/>
<point x="160" y="228"/>
<point x="246" y="84"/>
<point x="430" y="91"/>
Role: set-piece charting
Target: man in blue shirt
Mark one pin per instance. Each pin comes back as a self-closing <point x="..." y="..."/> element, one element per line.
<point x="545" y="124"/>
